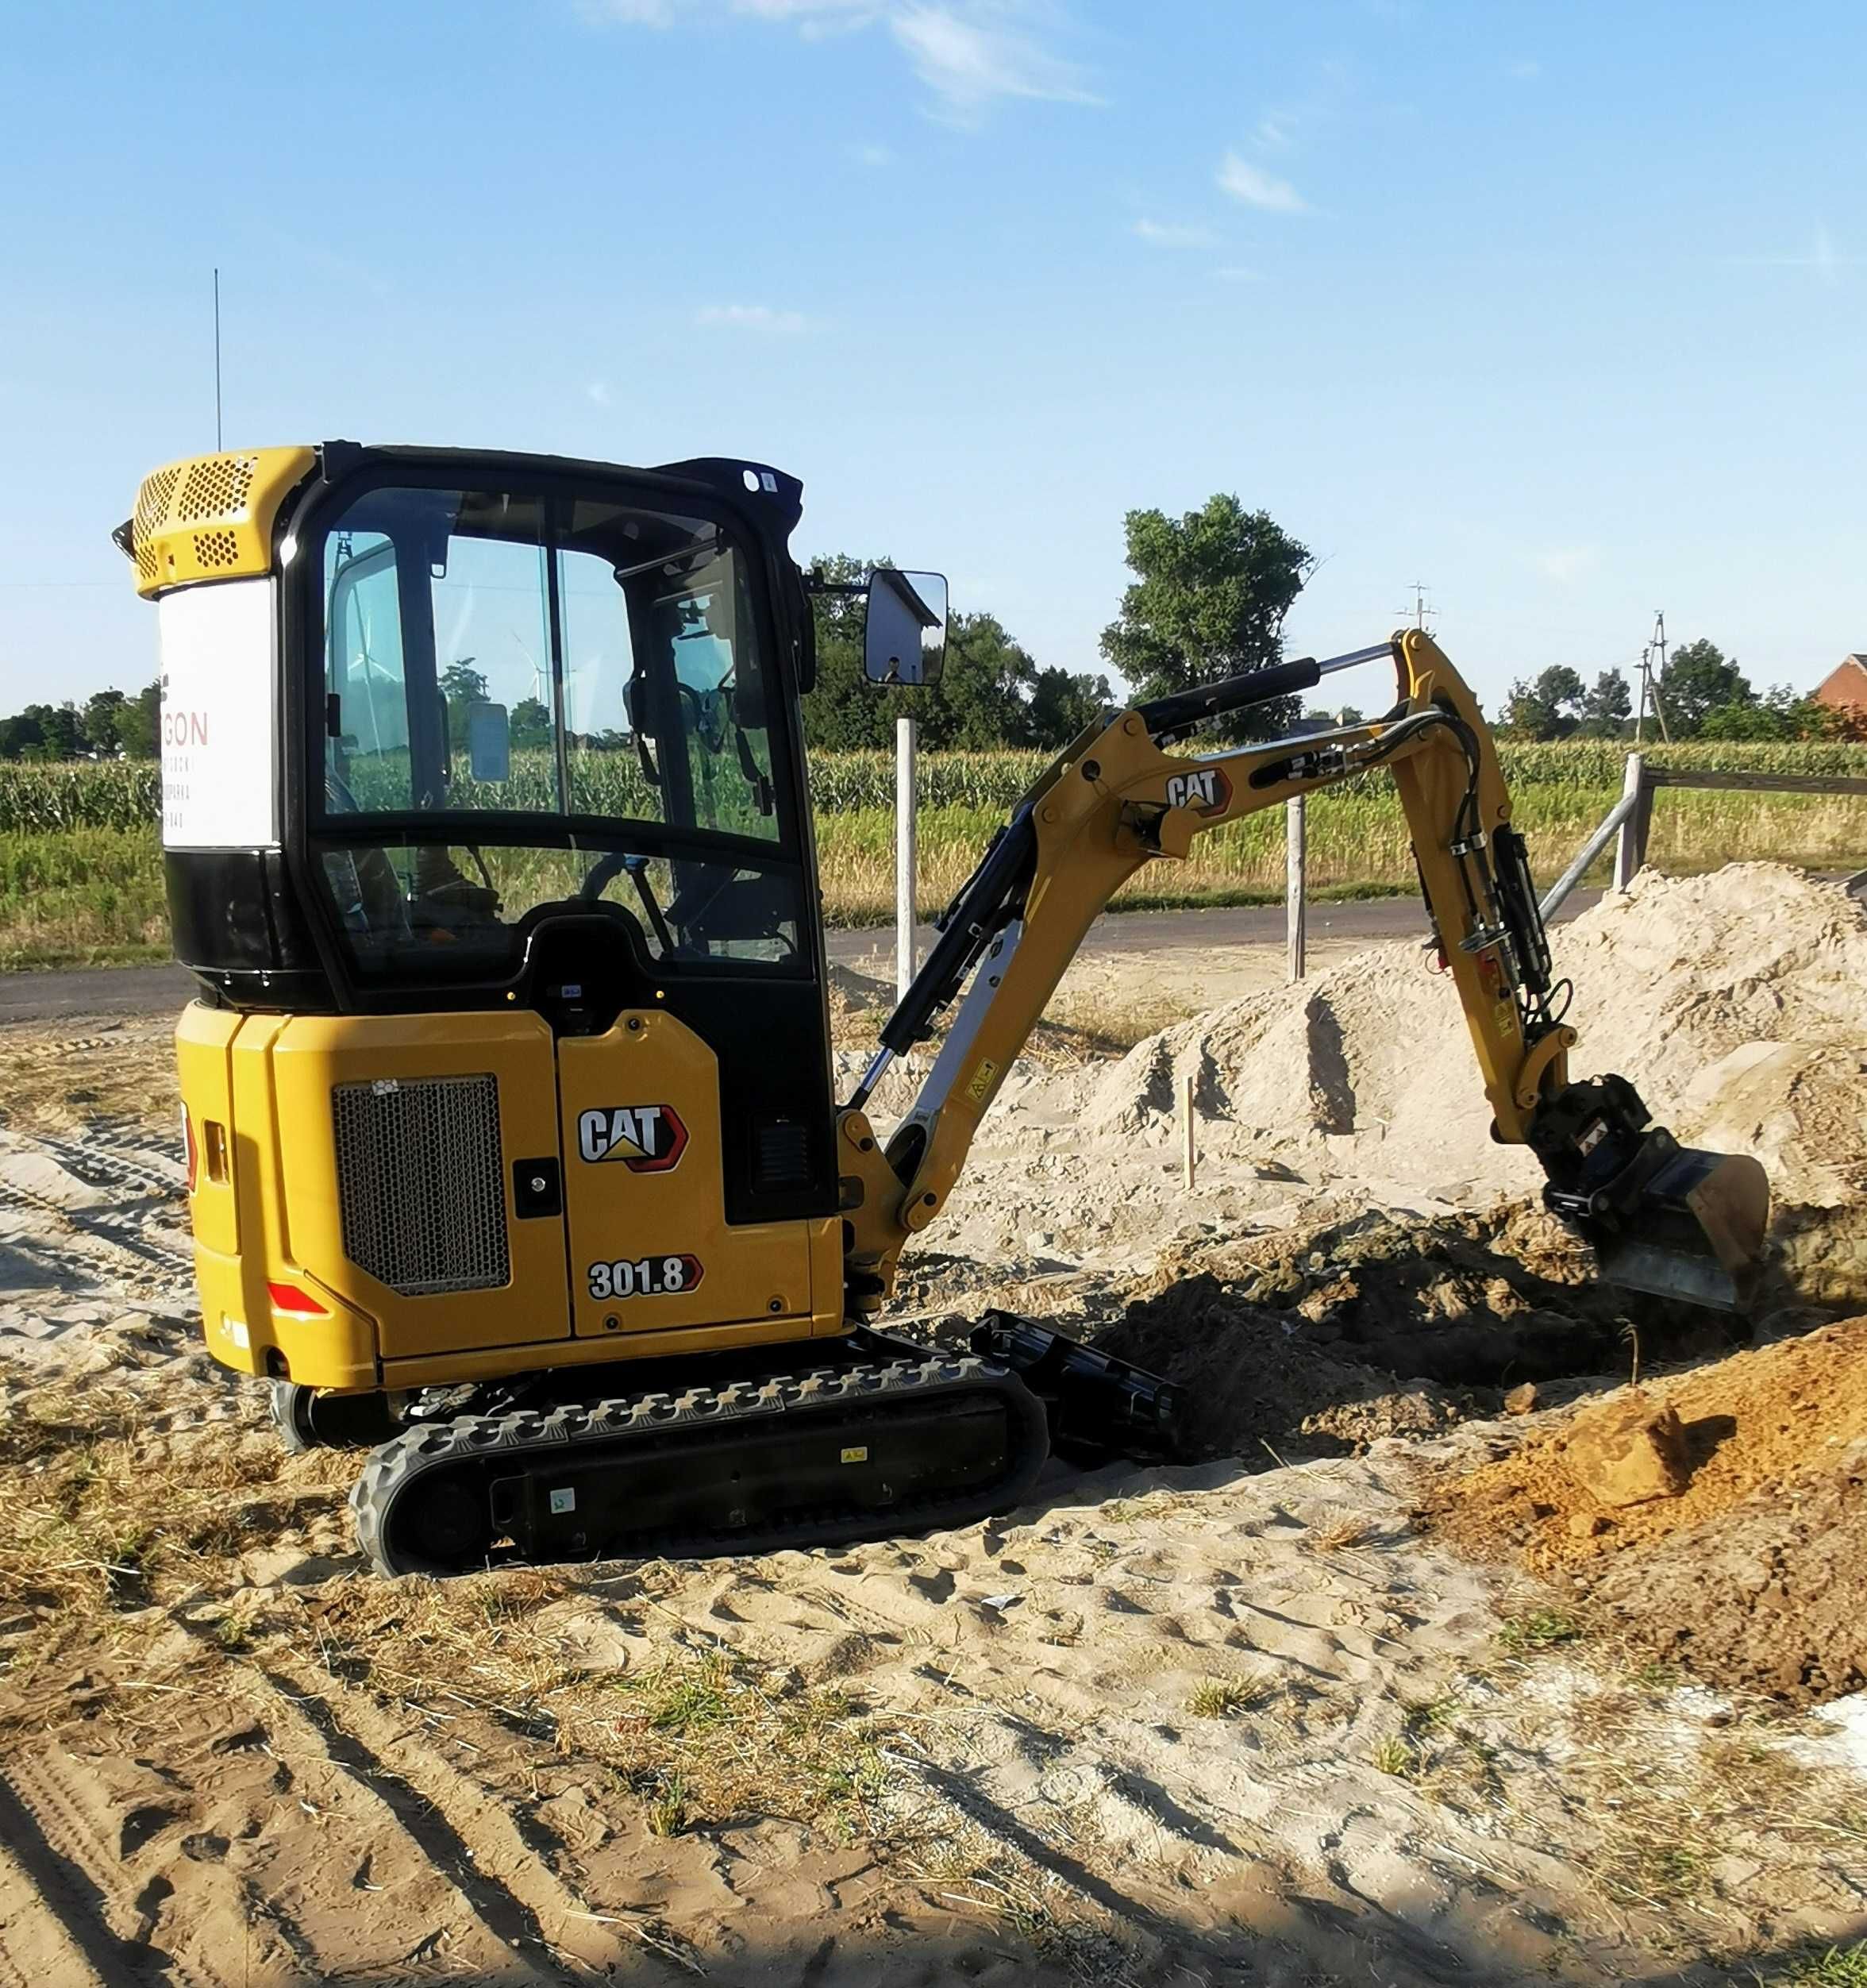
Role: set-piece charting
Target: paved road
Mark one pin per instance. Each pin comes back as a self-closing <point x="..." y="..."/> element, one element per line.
<point x="161" y="990"/>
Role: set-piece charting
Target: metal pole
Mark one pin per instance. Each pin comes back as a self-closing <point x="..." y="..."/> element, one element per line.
<point x="1189" y="1158"/>
<point x="1293" y="882"/>
<point x="217" y="360"/>
<point x="904" y="856"/>
<point x="1628" y="850"/>
<point x="1590" y="849"/>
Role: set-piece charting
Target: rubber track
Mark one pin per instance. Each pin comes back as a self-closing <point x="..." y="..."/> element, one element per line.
<point x="418" y="1452"/>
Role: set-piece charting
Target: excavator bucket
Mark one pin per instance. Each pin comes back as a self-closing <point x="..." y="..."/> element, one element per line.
<point x="1695" y="1232"/>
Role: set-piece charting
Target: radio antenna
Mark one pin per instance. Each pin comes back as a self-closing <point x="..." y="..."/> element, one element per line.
<point x="217" y="302"/>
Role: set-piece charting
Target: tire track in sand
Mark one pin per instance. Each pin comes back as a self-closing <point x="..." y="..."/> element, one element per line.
<point x="503" y="1868"/>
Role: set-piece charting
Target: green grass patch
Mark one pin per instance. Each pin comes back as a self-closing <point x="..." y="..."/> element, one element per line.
<point x="1832" y="1967"/>
<point x="1539" y="1629"/>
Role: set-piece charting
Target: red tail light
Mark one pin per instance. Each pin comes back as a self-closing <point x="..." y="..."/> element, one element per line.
<point x="288" y="1297"/>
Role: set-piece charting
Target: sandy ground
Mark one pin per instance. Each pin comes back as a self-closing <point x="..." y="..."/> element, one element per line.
<point x="1248" y="1720"/>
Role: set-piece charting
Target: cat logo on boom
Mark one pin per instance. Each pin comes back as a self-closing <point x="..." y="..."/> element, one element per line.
<point x="1206" y="791"/>
<point x="647" y="1139"/>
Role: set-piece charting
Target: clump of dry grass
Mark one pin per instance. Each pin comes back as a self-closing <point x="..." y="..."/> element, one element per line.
<point x="1228" y="1697"/>
<point x="98" y="1518"/>
<point x="1343" y="1536"/>
<point x="1392" y="1755"/>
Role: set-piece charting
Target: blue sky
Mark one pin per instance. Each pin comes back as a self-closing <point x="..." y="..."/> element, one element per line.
<point x="1555" y="308"/>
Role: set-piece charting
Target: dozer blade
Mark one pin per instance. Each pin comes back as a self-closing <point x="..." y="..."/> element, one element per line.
<point x="1693" y="1232"/>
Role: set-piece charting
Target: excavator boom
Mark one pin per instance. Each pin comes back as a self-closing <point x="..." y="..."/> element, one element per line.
<point x="1670" y="1221"/>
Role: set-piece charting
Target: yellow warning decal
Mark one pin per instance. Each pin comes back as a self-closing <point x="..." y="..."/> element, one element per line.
<point x="858" y="1455"/>
<point x="981" y="1079"/>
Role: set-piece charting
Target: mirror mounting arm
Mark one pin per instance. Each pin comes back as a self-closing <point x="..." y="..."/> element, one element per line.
<point x="815" y="583"/>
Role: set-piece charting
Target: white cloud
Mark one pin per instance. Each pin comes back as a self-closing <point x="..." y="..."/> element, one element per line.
<point x="969" y="59"/>
<point x="1565" y="562"/>
<point x="970" y="53"/>
<point x="1256" y="188"/>
<point x="753" y="317"/>
<point x="1173" y="234"/>
<point x="599" y="392"/>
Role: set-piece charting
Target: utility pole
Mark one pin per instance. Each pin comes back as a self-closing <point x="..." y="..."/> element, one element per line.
<point x="1650" y="678"/>
<point x="1419" y="610"/>
<point x="216" y="294"/>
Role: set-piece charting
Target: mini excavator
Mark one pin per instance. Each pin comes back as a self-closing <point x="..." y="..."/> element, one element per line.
<point x="512" y="1144"/>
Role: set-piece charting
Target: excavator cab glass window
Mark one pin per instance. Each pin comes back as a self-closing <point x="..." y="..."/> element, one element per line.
<point x="532" y="699"/>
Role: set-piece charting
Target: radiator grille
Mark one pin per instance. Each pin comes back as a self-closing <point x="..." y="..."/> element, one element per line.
<point x="421" y="1183"/>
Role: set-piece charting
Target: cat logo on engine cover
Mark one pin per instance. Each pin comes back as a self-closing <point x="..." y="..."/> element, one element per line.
<point x="1205" y="792"/>
<point x="647" y="1139"/>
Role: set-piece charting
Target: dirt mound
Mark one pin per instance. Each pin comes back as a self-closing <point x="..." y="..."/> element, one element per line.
<point x="1755" y="1574"/>
<point x="1303" y="1339"/>
<point x="1770" y="1597"/>
<point x="1733" y="1001"/>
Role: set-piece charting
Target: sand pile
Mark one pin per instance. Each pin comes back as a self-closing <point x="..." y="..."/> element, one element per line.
<point x="1754" y="1573"/>
<point x="1733" y="1001"/>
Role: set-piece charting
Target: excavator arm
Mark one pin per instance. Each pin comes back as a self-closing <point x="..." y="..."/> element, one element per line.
<point x="1663" y="1219"/>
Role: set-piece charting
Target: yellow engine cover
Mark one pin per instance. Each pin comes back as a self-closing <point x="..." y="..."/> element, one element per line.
<point x="411" y="1201"/>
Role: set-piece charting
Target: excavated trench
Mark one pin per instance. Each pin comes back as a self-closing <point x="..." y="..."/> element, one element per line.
<point x="1317" y="1341"/>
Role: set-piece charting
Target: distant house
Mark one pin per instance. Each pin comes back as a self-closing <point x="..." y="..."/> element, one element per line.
<point x="1844" y="687"/>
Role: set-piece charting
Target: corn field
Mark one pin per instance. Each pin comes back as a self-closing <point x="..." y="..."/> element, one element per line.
<point x="123" y="793"/>
<point x="81" y="868"/>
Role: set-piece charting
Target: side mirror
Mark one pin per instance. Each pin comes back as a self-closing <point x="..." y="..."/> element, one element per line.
<point x="489" y="742"/>
<point x="904" y="632"/>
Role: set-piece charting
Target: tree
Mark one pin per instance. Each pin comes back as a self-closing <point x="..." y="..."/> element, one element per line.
<point x="59" y="734"/>
<point x="103" y="722"/>
<point x="20" y="737"/>
<point x="844" y="710"/>
<point x="1606" y="708"/>
<point x="1698" y="678"/>
<point x="1778" y="713"/>
<point x="1210" y="592"/>
<point x="1550" y="706"/>
<point x="991" y="692"/>
<point x="1062" y="703"/>
<point x="464" y="687"/>
<point x="139" y="725"/>
<point x="530" y="725"/>
<point x="981" y="699"/>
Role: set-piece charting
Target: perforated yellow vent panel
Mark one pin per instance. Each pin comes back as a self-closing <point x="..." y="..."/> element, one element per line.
<point x="210" y="517"/>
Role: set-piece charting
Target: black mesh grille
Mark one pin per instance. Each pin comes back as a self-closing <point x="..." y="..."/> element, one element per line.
<point x="420" y="1182"/>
